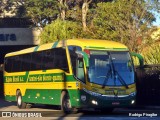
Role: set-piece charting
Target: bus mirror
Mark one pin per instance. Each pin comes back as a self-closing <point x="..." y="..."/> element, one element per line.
<point x="83" y="55"/>
<point x="140" y="58"/>
<point x="80" y="56"/>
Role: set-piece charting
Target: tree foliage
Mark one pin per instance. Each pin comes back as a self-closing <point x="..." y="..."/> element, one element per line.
<point x="15" y="7"/>
<point x="42" y="12"/>
<point x="127" y="21"/>
<point x="151" y="56"/>
<point x="59" y="30"/>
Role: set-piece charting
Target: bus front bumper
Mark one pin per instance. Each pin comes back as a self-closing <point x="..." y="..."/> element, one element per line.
<point x="104" y="101"/>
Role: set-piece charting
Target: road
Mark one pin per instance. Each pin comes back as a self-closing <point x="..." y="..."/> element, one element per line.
<point x="42" y="112"/>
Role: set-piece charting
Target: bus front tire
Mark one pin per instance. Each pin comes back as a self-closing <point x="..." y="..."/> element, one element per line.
<point x="20" y="103"/>
<point x="65" y="103"/>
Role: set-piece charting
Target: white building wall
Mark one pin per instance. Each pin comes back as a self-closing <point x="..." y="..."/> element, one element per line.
<point x="19" y="36"/>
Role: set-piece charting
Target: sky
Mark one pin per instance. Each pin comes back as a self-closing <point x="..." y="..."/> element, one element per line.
<point x="157" y="22"/>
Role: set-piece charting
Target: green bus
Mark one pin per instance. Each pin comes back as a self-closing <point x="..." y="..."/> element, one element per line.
<point x="74" y="74"/>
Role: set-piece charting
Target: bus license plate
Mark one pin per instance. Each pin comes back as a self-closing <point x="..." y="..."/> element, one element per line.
<point x="115" y="103"/>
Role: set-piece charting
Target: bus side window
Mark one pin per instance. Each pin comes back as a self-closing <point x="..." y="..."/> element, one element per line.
<point x="64" y="63"/>
<point x="8" y="64"/>
<point x="26" y="60"/>
<point x="36" y="62"/>
<point x="16" y="64"/>
<point x="75" y="48"/>
<point x="60" y="60"/>
<point x="48" y="59"/>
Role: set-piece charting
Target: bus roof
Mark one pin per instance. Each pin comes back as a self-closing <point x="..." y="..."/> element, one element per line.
<point x="84" y="43"/>
<point x="91" y="43"/>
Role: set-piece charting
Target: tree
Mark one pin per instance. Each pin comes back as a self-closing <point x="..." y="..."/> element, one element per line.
<point x="151" y="56"/>
<point x="82" y="11"/>
<point x="62" y="8"/>
<point x="42" y="12"/>
<point x="2" y="8"/>
<point x="60" y="30"/>
<point x="14" y="7"/>
<point x="85" y="8"/>
<point x="78" y="10"/>
<point x="17" y="7"/>
<point x="127" y="21"/>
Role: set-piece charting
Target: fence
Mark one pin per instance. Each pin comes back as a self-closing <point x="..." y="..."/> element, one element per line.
<point x="148" y="85"/>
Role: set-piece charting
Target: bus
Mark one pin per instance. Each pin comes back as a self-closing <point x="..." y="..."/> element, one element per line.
<point x="73" y="74"/>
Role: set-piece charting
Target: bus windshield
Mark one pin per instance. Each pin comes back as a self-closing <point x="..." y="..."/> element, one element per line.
<point x="111" y="68"/>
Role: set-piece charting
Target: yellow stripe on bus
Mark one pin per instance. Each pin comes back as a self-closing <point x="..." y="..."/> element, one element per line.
<point x="42" y="85"/>
<point x="54" y="71"/>
<point x="14" y="73"/>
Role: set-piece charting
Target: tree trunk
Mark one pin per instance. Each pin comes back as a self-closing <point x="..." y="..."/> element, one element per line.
<point x="84" y="15"/>
<point x="63" y="14"/>
<point x="85" y="7"/>
<point x="62" y="9"/>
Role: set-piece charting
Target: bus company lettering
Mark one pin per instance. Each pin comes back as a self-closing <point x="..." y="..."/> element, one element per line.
<point x="45" y="78"/>
<point x="60" y="77"/>
<point x="9" y="79"/>
<point x="39" y="78"/>
<point x="18" y="79"/>
<point x="33" y="79"/>
<point x="14" y="79"/>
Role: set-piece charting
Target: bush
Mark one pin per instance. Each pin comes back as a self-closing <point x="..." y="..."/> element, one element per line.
<point x="60" y="30"/>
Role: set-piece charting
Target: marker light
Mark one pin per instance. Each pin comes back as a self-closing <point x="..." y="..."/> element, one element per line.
<point x="87" y="51"/>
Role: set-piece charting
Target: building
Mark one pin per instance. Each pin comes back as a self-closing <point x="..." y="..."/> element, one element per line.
<point x="15" y="34"/>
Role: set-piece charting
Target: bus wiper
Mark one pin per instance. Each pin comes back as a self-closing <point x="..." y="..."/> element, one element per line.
<point x="109" y="73"/>
<point x="121" y="79"/>
<point x="115" y="72"/>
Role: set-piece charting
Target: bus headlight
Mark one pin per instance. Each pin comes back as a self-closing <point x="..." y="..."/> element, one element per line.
<point x="94" y="102"/>
<point x="133" y="101"/>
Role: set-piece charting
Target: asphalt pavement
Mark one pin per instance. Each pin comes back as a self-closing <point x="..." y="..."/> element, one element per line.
<point x="9" y="111"/>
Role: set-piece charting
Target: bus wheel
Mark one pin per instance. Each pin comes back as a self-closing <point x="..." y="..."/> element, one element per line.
<point x="65" y="103"/>
<point x="20" y="104"/>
